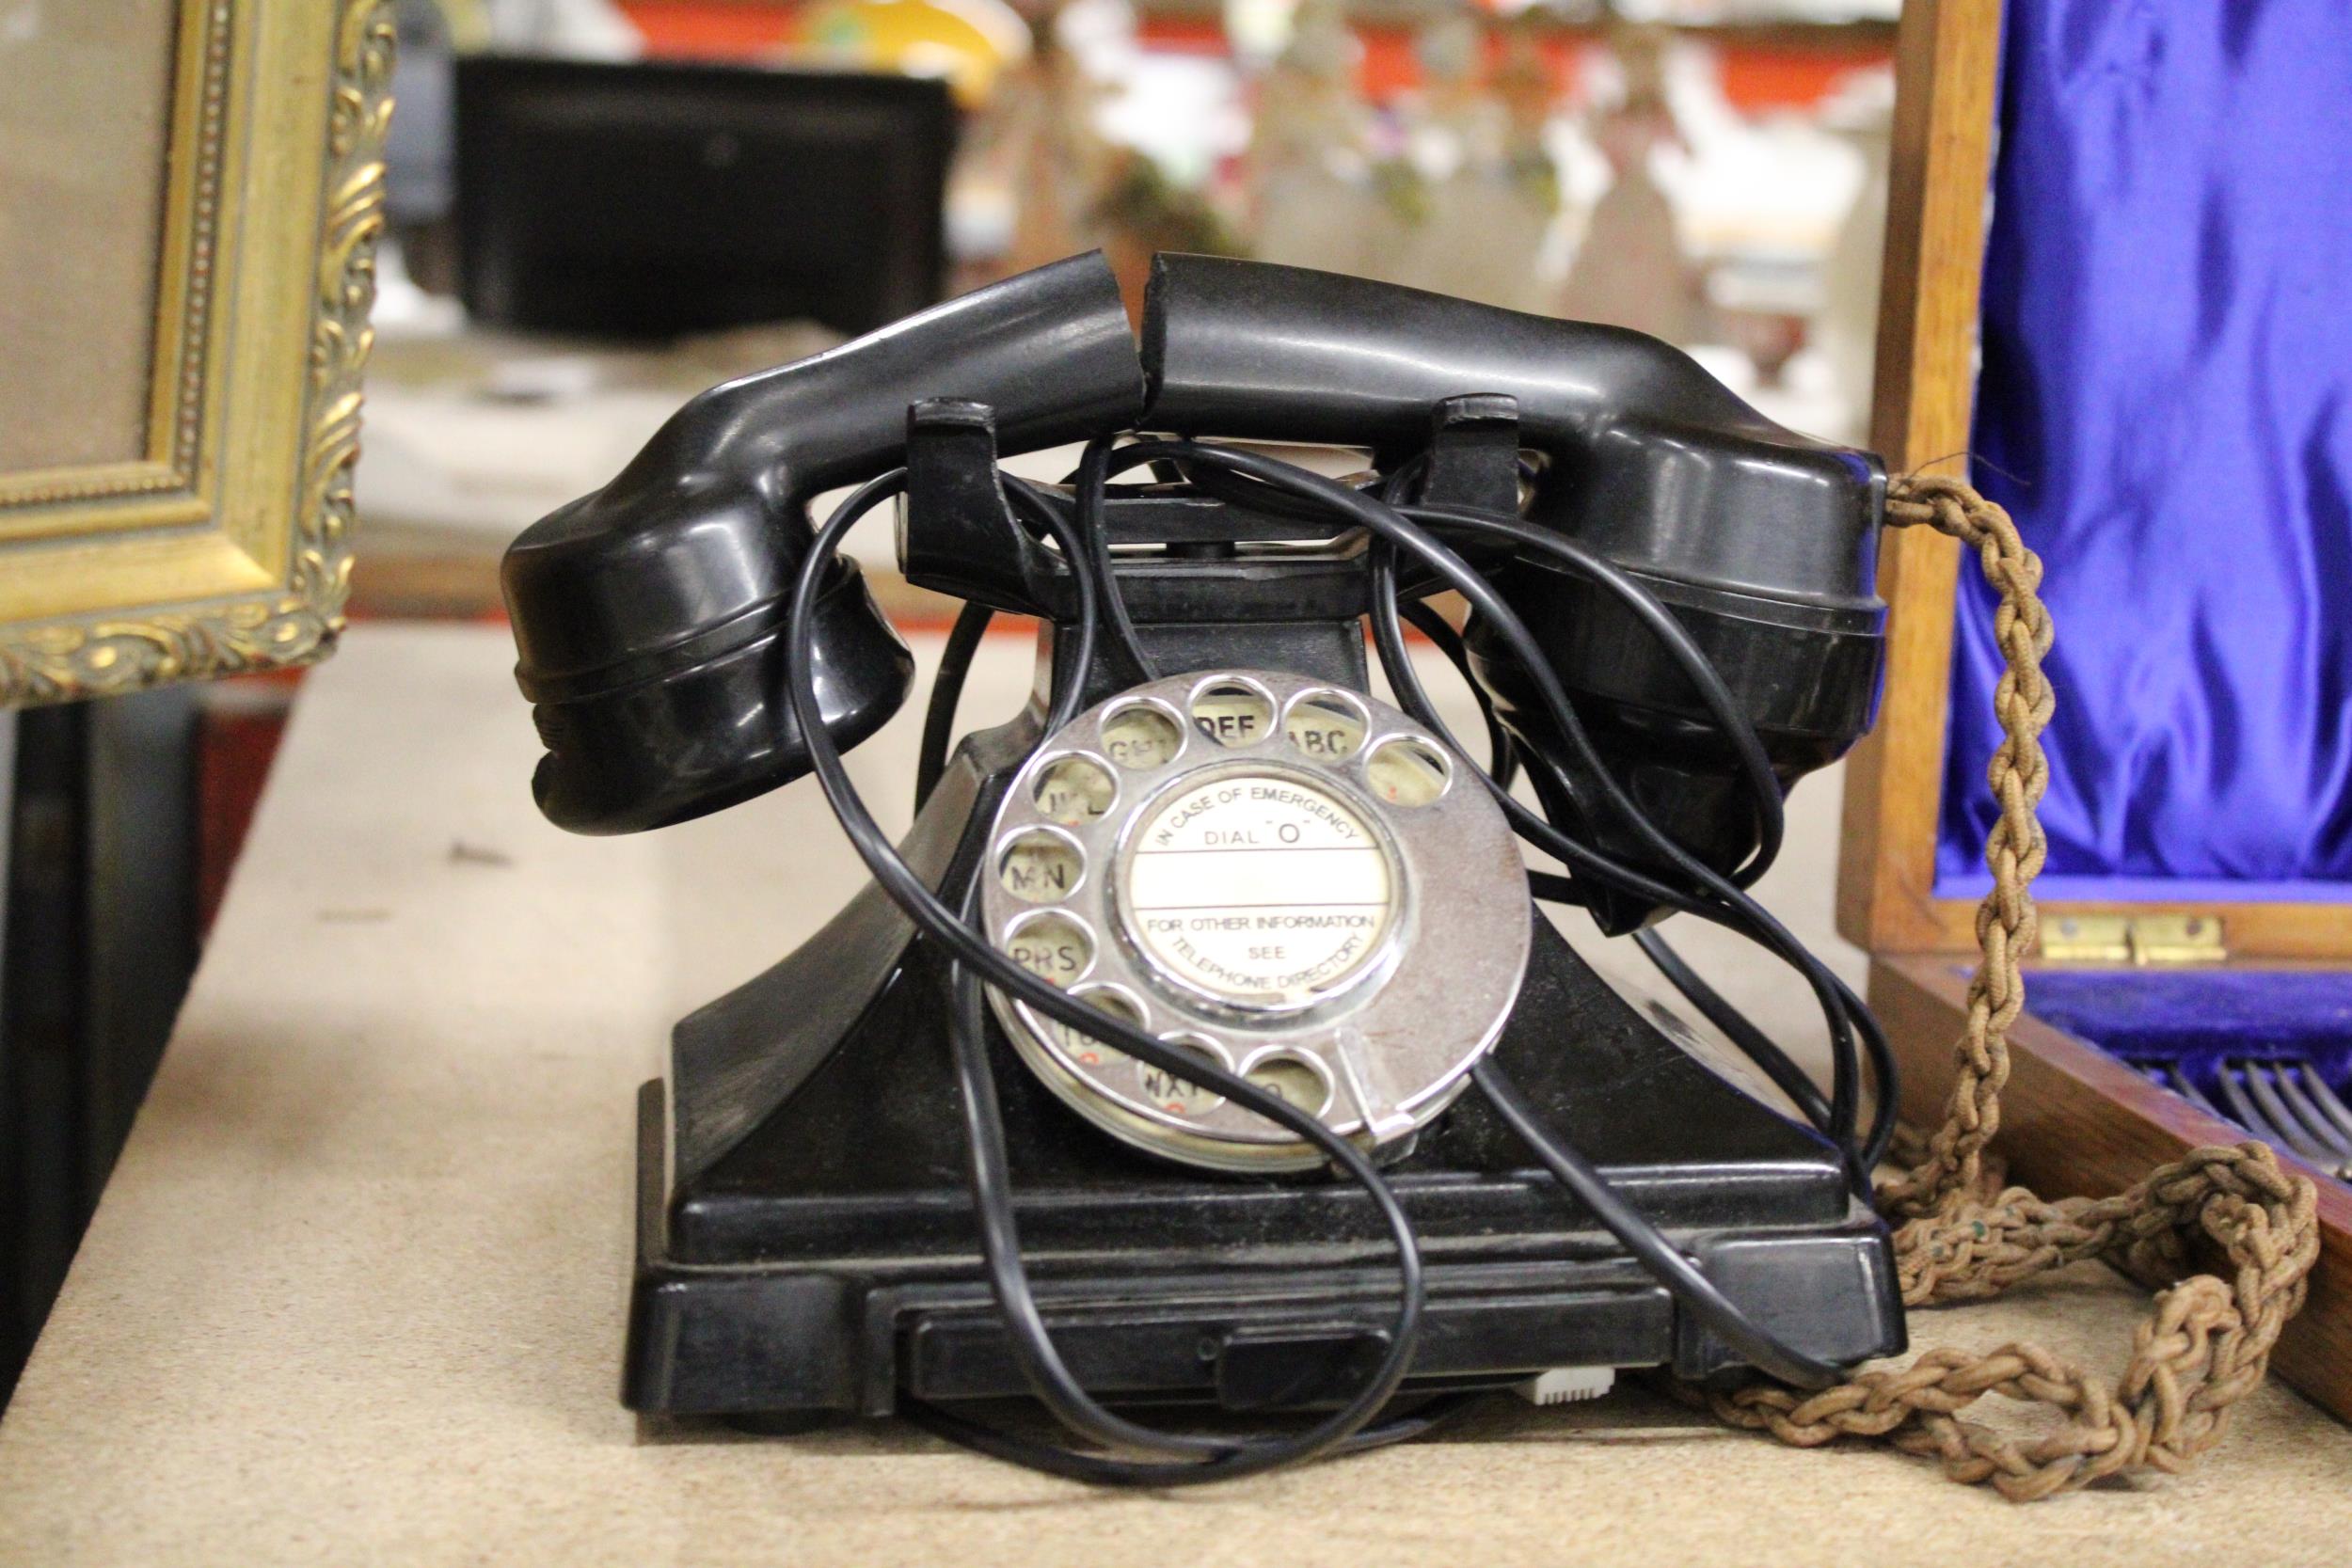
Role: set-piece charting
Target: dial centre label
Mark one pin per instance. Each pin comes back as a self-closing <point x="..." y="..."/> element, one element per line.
<point x="1259" y="888"/>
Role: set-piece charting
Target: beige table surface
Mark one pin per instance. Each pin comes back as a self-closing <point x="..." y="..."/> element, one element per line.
<point x="355" y="1294"/>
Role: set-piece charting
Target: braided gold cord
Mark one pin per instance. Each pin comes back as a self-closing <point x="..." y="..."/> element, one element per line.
<point x="2206" y="1342"/>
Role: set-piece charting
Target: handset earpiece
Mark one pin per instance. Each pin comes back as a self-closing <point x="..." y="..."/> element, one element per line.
<point x="1762" y="542"/>
<point x="649" y="614"/>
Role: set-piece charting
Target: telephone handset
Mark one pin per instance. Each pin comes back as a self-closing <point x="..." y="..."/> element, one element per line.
<point x="1763" y="542"/>
<point x="648" y="613"/>
<point x="1236" y="917"/>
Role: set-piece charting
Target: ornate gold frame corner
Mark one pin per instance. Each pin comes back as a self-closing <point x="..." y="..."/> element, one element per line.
<point x="227" y="549"/>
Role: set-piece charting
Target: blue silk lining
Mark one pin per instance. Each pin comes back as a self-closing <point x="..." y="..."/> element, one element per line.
<point x="2197" y="1020"/>
<point x="2166" y="406"/>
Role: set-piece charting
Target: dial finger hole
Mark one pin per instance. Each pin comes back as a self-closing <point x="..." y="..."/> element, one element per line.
<point x="1324" y="726"/>
<point x="1051" y="946"/>
<point x="1041" y="866"/>
<point x="1233" y="713"/>
<point x="1141" y="735"/>
<point x="1406" y="772"/>
<point x="1173" y="1093"/>
<point x="1082" y="1048"/>
<point x="1293" y="1078"/>
<point x="1074" y="791"/>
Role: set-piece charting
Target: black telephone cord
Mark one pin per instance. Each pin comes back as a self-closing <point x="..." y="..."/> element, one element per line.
<point x="972" y="622"/>
<point x="1388" y="638"/>
<point x="939" y="713"/>
<point x="973" y="953"/>
<point x="1667" y="1263"/>
<point x="1215" y="1458"/>
<point x="1716" y="893"/>
<point x="1097" y="1470"/>
<point x="1737" y="1026"/>
<point x="974" y="959"/>
<point x="1269" y="477"/>
<point x="938" y="733"/>
<point x="1266" y="484"/>
<point x="1750" y="1040"/>
<point x="1763" y="789"/>
<point x="1743" y="913"/>
<point x="1756" y="1046"/>
<point x="1724" y="901"/>
<point x="1502" y="758"/>
<point x="1093" y="478"/>
<point x="1391" y="527"/>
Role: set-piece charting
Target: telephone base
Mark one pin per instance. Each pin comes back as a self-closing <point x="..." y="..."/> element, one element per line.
<point x="839" y="1273"/>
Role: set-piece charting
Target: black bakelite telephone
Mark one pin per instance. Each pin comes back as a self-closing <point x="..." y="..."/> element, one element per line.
<point x="1053" y="1105"/>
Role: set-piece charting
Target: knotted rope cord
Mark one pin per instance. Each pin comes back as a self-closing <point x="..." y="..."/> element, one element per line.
<point x="2206" y="1344"/>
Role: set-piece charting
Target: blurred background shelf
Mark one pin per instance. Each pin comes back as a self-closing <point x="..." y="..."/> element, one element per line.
<point x="1712" y="173"/>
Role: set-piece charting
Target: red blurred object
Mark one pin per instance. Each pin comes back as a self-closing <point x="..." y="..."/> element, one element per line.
<point x="711" y="29"/>
<point x="1756" y="76"/>
<point x="239" y="723"/>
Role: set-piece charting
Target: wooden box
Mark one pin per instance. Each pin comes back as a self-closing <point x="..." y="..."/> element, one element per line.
<point x="2076" y="1119"/>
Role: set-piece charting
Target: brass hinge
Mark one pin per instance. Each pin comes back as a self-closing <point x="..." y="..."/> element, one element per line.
<point x="2134" y="939"/>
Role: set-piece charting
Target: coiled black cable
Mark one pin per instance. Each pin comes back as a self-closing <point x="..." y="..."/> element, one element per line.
<point x="1094" y="477"/>
<point x="1849" y="1011"/>
<point x="1666" y="1262"/>
<point x="1390" y="526"/>
<point x="973" y="955"/>
<point x="1215" y="1458"/>
<point x="1388" y="639"/>
<point x="974" y="960"/>
<point x="938" y="731"/>
<point x="1750" y="1041"/>
<point x="1503" y="757"/>
<point x="939" y="713"/>
<point x="1845" y="1012"/>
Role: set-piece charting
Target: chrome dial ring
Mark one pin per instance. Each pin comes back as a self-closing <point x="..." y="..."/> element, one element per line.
<point x="1294" y="879"/>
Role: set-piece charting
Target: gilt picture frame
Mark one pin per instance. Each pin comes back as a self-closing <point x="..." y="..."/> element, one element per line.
<point x="191" y="191"/>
